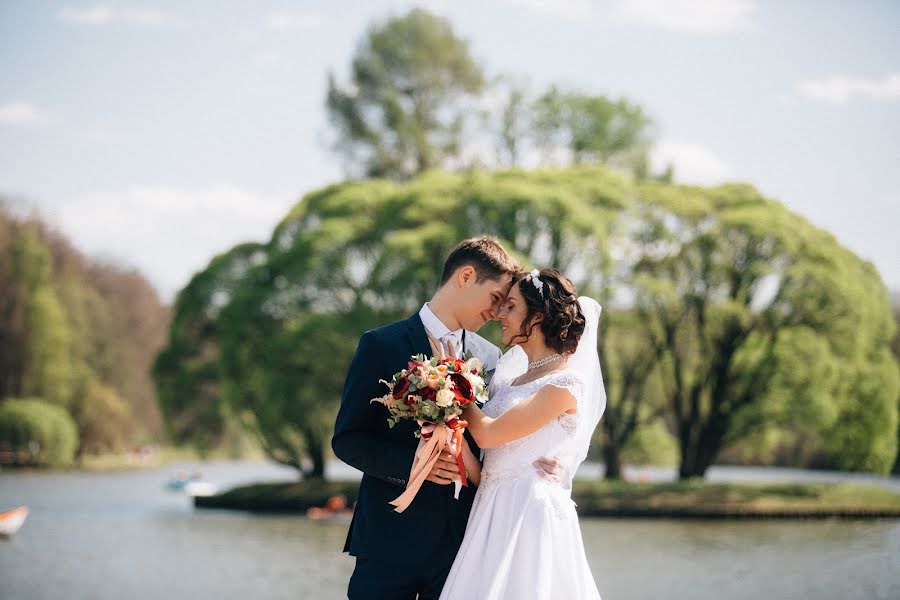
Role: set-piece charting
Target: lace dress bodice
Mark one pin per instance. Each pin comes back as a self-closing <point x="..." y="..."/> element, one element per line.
<point x="513" y="460"/>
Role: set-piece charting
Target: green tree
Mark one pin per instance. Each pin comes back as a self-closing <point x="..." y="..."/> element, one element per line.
<point x="70" y="326"/>
<point x="594" y="129"/>
<point x="102" y="416"/>
<point x="187" y="371"/>
<point x="37" y="433"/>
<point x="683" y="274"/>
<point x="895" y="348"/>
<point x="509" y="120"/>
<point x="351" y="257"/>
<point x="629" y="362"/>
<point x="13" y="309"/>
<point x="48" y="371"/>
<point x="765" y="321"/>
<point x="405" y="106"/>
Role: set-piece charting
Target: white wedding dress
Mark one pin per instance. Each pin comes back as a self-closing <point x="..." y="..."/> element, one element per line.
<point x="522" y="540"/>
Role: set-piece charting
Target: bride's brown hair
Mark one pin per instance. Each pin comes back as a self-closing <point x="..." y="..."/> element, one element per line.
<point x="562" y="321"/>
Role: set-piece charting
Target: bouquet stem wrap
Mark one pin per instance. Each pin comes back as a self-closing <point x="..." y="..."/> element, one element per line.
<point x="435" y="438"/>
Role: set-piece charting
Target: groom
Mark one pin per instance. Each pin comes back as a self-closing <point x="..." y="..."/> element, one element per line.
<point x="402" y="555"/>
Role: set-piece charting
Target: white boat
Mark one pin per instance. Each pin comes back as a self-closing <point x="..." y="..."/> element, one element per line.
<point x="181" y="479"/>
<point x="201" y="488"/>
<point x="11" y="520"/>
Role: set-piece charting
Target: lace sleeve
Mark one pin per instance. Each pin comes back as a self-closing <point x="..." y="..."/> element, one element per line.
<point x="574" y="384"/>
<point x="567" y="380"/>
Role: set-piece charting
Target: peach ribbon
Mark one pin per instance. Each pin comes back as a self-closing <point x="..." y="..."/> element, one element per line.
<point x="433" y="441"/>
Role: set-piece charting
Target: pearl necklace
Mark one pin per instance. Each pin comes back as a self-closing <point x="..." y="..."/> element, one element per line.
<point x="543" y="361"/>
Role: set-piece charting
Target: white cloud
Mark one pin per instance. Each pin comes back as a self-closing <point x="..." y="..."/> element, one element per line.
<point x="689" y="16"/>
<point x="693" y="163"/>
<point x="839" y="89"/>
<point x="21" y="113"/>
<point x="568" y="9"/>
<point x="290" y="21"/>
<point x="168" y="233"/>
<point x="102" y="15"/>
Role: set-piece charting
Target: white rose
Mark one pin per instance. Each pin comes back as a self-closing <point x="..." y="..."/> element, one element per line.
<point x="473" y="363"/>
<point x="444" y="398"/>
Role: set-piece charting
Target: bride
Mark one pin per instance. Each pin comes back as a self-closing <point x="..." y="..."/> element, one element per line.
<point x="523" y="539"/>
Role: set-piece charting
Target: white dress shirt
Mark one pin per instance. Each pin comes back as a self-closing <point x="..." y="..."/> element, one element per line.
<point x="436" y="329"/>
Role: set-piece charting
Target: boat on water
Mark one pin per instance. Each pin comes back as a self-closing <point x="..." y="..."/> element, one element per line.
<point x="11" y="520"/>
<point x="201" y="488"/>
<point x="180" y="480"/>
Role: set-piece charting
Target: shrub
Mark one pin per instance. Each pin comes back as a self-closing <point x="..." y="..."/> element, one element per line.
<point x="34" y="432"/>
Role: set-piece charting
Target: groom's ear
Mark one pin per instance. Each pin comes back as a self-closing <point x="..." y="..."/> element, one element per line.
<point x="466" y="275"/>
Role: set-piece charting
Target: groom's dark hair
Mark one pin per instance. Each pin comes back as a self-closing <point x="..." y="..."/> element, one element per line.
<point x="485" y="254"/>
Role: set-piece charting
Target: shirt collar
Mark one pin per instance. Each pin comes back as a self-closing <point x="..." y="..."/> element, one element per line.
<point x="434" y="325"/>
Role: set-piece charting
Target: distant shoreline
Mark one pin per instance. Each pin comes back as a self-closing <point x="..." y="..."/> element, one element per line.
<point x="680" y="500"/>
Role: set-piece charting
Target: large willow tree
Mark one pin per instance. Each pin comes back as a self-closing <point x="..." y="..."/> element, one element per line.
<point x="765" y="325"/>
<point x="721" y="308"/>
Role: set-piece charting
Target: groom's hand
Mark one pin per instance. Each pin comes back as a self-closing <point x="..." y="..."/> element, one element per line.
<point x="445" y="470"/>
<point x="551" y="468"/>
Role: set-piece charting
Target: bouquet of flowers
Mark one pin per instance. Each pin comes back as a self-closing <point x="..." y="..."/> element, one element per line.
<point x="433" y="391"/>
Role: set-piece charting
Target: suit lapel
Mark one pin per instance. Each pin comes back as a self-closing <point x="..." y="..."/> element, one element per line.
<point x="418" y="339"/>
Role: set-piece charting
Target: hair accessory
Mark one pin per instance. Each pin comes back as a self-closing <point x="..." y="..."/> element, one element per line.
<point x="536" y="280"/>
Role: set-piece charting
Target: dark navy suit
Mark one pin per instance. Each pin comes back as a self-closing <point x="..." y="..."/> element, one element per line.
<point x="399" y="555"/>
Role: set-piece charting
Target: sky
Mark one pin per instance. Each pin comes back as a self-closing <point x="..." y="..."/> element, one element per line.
<point x="157" y="134"/>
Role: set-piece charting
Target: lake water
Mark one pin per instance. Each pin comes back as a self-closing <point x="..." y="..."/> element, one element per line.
<point x="123" y="536"/>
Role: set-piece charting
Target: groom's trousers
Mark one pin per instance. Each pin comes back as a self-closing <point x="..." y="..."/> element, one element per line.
<point x="392" y="577"/>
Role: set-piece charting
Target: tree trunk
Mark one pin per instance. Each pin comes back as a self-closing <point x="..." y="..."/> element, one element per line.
<point x="316" y="450"/>
<point x="612" y="457"/>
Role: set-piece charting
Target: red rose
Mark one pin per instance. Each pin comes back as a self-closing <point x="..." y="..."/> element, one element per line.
<point x="462" y="389"/>
<point x="401" y="386"/>
<point x="427" y="393"/>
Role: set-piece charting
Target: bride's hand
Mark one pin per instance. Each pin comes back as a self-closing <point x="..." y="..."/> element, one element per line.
<point x="473" y="465"/>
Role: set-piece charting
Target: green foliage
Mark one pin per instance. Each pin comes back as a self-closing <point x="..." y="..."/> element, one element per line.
<point x="77" y="334"/>
<point x="631" y="374"/>
<point x="725" y="314"/>
<point x="41" y="433"/>
<point x="866" y="438"/>
<point x="652" y="444"/>
<point x="766" y="322"/>
<point x="405" y="107"/>
<point x="594" y="129"/>
<point x="102" y="416"/>
<point x="48" y="373"/>
<point x="187" y="371"/>
<point x="414" y="88"/>
<point x="895" y="349"/>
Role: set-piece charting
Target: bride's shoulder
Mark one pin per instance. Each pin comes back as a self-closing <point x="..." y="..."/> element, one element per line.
<point x="564" y="378"/>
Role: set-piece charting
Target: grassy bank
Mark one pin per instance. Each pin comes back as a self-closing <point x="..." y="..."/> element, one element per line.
<point x="618" y="499"/>
<point x="736" y="500"/>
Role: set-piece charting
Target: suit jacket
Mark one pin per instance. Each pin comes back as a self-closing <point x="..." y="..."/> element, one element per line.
<point x="363" y="439"/>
